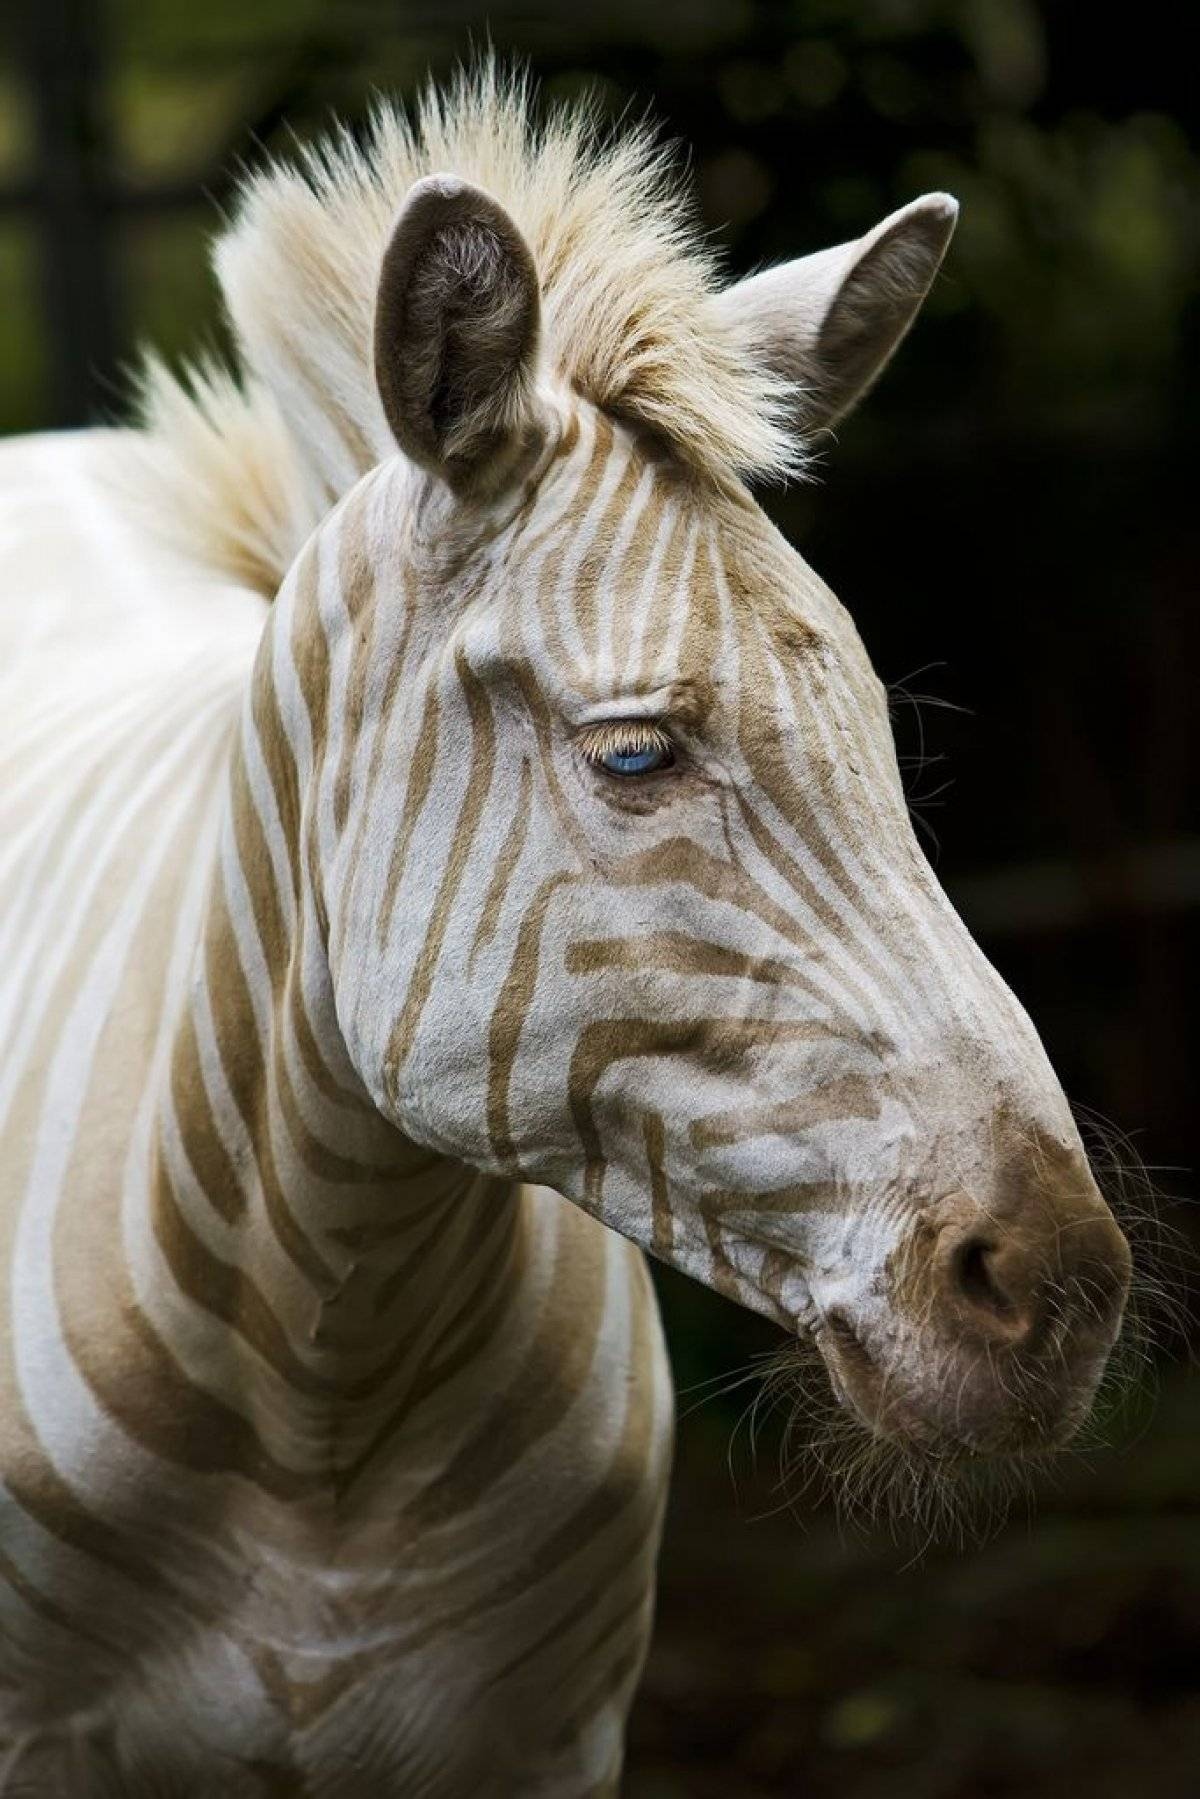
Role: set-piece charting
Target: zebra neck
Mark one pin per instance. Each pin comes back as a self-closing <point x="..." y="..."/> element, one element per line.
<point x="323" y="1268"/>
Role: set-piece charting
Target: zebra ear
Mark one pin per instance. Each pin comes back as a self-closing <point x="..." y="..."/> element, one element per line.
<point x="457" y="324"/>
<point x="830" y="322"/>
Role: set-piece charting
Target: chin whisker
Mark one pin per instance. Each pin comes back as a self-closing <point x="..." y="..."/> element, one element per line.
<point x="918" y="1495"/>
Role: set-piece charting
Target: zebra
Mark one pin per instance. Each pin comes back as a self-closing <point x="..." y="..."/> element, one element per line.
<point x="451" y="844"/>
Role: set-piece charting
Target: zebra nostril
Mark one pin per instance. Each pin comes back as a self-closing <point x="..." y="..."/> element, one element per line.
<point x="994" y="1283"/>
<point x="974" y="1271"/>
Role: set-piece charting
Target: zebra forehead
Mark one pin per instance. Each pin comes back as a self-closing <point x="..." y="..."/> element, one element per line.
<point x="617" y="506"/>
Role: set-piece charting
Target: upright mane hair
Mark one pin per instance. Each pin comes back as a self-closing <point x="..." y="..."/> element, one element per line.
<point x="244" y="462"/>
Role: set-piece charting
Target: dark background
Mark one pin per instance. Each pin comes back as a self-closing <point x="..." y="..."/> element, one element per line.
<point x="1012" y="520"/>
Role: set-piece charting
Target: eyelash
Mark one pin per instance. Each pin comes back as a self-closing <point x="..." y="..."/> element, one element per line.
<point x="628" y="739"/>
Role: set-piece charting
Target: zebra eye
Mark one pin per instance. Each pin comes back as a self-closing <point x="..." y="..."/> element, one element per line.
<point x="629" y="747"/>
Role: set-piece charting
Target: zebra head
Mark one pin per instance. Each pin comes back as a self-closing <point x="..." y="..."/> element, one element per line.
<point x="621" y="891"/>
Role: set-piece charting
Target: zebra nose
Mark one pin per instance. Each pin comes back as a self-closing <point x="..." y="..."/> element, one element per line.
<point x="1009" y="1276"/>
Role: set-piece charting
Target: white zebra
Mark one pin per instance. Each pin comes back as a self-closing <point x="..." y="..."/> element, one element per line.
<point x="541" y="842"/>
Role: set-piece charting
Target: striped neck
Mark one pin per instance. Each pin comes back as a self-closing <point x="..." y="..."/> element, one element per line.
<point x="325" y="1270"/>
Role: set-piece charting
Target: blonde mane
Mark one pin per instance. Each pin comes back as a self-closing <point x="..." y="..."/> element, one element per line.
<point x="245" y="463"/>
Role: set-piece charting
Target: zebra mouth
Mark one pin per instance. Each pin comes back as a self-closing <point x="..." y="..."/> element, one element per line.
<point x="878" y="1405"/>
<point x="991" y="1414"/>
<point x="853" y="1375"/>
<point x="860" y="1388"/>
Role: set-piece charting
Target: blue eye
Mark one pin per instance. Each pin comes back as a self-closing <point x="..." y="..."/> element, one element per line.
<point x="629" y="748"/>
<point x="634" y="762"/>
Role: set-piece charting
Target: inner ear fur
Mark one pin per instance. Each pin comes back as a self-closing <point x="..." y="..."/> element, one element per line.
<point x="457" y="327"/>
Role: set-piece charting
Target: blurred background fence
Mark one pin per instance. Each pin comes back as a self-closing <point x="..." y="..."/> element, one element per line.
<point x="1013" y="521"/>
